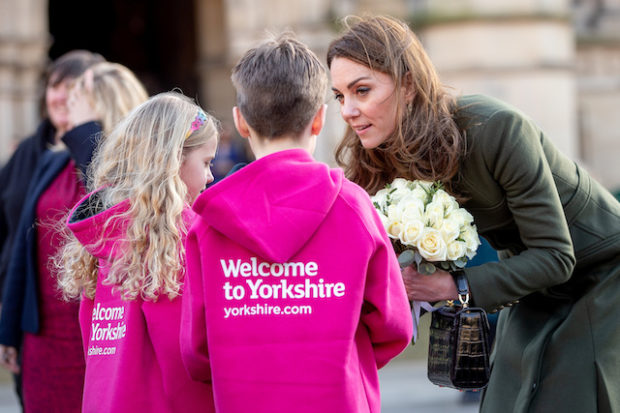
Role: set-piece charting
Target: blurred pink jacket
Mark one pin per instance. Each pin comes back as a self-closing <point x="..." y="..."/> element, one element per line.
<point x="133" y="359"/>
<point x="293" y="297"/>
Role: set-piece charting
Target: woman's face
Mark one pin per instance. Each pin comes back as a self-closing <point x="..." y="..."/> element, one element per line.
<point x="56" y="102"/>
<point x="368" y="100"/>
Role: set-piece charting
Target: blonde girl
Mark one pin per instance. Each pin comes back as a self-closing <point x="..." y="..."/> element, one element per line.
<point x="126" y="259"/>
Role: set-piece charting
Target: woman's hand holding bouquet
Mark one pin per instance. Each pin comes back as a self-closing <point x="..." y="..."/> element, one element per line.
<point x="429" y="229"/>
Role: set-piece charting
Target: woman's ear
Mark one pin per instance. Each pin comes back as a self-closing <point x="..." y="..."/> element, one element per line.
<point x="408" y="88"/>
<point x="240" y="123"/>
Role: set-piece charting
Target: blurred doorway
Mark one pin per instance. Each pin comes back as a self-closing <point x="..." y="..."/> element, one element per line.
<point x="154" y="38"/>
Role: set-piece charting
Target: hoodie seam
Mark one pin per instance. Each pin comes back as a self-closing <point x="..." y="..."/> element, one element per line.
<point x="357" y="215"/>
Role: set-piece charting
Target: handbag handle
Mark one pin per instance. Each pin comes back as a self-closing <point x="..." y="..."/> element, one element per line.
<point x="462" y="287"/>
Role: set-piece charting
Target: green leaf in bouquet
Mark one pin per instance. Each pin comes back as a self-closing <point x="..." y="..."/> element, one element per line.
<point x="379" y="207"/>
<point x="406" y="258"/>
<point x="426" y="268"/>
<point x="445" y="265"/>
<point x="429" y="194"/>
<point x="461" y="262"/>
<point x="418" y="259"/>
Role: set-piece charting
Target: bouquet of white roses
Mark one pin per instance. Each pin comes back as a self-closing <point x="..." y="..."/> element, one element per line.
<point x="426" y="225"/>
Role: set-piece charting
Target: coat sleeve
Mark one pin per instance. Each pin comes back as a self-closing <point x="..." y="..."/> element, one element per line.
<point x="82" y="141"/>
<point x="4" y="226"/>
<point x="15" y="178"/>
<point x="5" y="175"/>
<point x="386" y="311"/>
<point x="512" y="150"/>
<point x="193" y="335"/>
<point x="13" y="294"/>
<point x="19" y="296"/>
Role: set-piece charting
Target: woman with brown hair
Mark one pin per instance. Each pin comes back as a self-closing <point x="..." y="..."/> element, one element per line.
<point x="557" y="230"/>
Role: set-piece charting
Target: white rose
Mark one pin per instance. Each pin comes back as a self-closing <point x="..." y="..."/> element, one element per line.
<point x="419" y="193"/>
<point x="463" y="217"/>
<point x="411" y="232"/>
<point x="431" y="245"/>
<point x="469" y="235"/>
<point x="450" y="230"/>
<point x="427" y="185"/>
<point x="412" y="208"/>
<point x="456" y="250"/>
<point x="393" y="228"/>
<point x="380" y="198"/>
<point x="394" y="212"/>
<point x="399" y="183"/>
<point x="446" y="200"/>
<point x="396" y="194"/>
<point x="434" y="214"/>
<point x="384" y="220"/>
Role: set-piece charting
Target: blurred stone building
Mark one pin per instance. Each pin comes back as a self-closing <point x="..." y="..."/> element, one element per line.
<point x="557" y="60"/>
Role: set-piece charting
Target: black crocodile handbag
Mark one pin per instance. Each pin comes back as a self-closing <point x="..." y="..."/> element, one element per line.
<point x="459" y="344"/>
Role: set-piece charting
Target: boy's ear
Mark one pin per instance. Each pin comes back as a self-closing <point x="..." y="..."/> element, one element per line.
<point x="240" y="123"/>
<point x="318" y="121"/>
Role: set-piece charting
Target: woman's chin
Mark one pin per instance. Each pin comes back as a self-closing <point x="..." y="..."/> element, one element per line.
<point x="370" y="143"/>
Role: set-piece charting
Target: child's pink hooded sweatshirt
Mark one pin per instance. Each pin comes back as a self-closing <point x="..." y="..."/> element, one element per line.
<point x="293" y="296"/>
<point x="133" y="359"/>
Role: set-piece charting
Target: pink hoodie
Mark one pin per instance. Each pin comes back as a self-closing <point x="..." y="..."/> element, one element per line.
<point x="133" y="360"/>
<point x="293" y="296"/>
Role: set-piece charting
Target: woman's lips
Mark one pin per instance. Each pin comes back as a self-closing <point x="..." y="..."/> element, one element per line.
<point x="361" y="128"/>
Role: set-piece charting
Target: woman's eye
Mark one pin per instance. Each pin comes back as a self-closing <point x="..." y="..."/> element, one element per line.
<point x="338" y="97"/>
<point x="362" y="90"/>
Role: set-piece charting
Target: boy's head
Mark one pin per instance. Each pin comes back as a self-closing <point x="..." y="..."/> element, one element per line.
<point x="281" y="85"/>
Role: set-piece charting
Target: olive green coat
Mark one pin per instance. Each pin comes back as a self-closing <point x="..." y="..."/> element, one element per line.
<point x="558" y="283"/>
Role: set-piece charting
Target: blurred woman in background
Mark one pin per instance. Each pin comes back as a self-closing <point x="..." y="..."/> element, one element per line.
<point x="34" y="317"/>
<point x="16" y="174"/>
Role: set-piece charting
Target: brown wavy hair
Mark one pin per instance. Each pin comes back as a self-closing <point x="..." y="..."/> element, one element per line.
<point x="427" y="144"/>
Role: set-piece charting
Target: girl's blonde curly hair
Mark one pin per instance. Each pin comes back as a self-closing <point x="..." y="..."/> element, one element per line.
<point x="140" y="162"/>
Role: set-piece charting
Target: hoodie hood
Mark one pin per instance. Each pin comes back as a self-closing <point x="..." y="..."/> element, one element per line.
<point x="102" y="231"/>
<point x="97" y="228"/>
<point x="273" y="205"/>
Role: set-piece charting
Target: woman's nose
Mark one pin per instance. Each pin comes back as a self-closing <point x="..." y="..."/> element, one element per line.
<point x="349" y="109"/>
<point x="58" y="94"/>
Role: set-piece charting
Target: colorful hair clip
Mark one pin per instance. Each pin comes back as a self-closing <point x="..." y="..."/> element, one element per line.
<point x="197" y="123"/>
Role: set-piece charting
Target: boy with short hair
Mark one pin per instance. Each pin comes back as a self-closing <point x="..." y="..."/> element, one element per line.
<point x="293" y="297"/>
